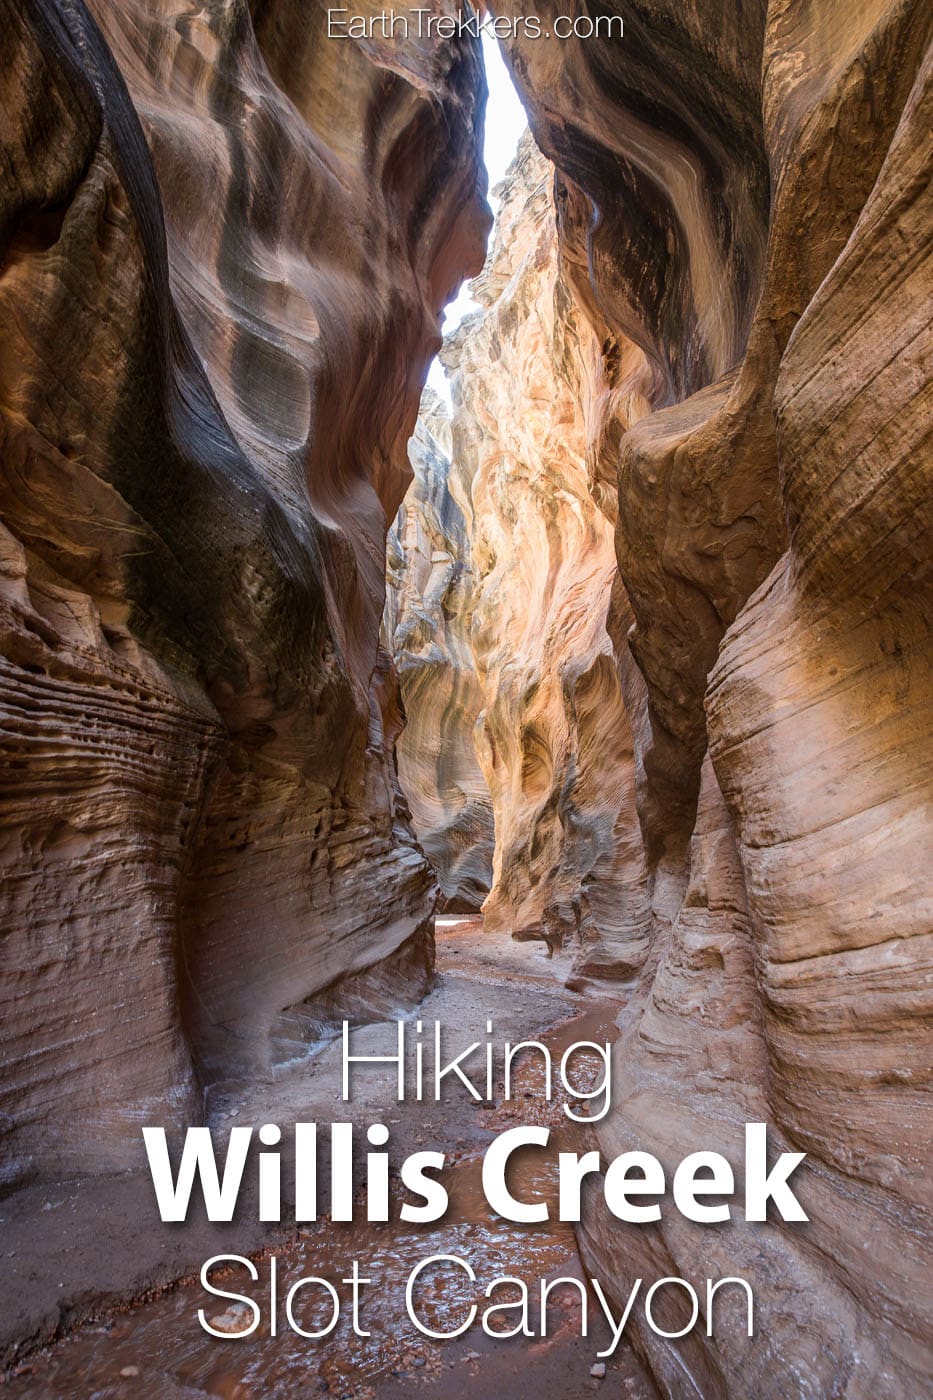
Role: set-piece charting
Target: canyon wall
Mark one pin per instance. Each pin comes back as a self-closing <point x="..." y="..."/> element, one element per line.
<point x="502" y="594"/>
<point x="428" y="625"/>
<point x="743" y="194"/>
<point x="553" y="736"/>
<point x="226" y="242"/>
<point x="669" y="579"/>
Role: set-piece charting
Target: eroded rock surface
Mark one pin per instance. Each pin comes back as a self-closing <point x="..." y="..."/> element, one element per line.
<point x="225" y="246"/>
<point x="428" y="624"/>
<point x="554" y="736"/>
<point x="703" y="356"/>
<point x="744" y="195"/>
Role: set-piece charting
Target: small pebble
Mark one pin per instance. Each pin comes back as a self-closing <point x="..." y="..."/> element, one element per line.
<point x="598" y="1369"/>
<point x="129" y="1371"/>
<point x="236" y="1319"/>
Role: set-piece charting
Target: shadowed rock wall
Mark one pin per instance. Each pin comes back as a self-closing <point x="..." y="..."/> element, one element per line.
<point x="743" y="193"/>
<point x="225" y="244"/>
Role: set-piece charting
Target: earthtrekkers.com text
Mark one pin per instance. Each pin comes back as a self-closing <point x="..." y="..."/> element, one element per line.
<point x="428" y="24"/>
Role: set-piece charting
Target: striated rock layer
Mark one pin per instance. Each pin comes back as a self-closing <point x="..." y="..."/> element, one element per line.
<point x="225" y="244"/>
<point x="744" y="195"/>
<point x="428" y="623"/>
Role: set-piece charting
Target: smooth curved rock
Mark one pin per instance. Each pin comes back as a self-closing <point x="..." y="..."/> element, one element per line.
<point x="428" y="622"/>
<point x="772" y="530"/>
<point x="554" y="736"/>
<point x="226" y="244"/>
<point x="704" y="353"/>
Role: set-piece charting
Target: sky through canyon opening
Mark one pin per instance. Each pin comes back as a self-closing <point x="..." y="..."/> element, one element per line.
<point x="506" y="121"/>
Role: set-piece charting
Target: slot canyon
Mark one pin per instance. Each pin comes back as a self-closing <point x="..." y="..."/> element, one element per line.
<point x="596" y="702"/>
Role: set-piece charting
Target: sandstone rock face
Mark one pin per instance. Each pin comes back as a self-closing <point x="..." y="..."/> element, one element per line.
<point x="554" y="735"/>
<point x="225" y="245"/>
<point x="670" y="578"/>
<point x="744" y="195"/>
<point x="428" y="622"/>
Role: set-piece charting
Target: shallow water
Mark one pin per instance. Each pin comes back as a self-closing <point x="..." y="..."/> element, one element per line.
<point x="159" y="1348"/>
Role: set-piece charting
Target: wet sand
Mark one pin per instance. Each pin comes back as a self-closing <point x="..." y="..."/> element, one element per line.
<point x="158" y="1348"/>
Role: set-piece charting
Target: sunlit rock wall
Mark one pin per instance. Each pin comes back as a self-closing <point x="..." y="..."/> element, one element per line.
<point x="747" y="199"/>
<point x="428" y="621"/>
<point x="225" y="244"/>
<point x="554" y="736"/>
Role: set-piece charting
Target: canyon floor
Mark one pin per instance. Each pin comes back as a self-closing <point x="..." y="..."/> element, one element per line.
<point x="158" y="1348"/>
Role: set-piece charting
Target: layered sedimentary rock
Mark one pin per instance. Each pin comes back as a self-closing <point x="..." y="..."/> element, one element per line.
<point x="225" y="245"/>
<point x="554" y="736"/>
<point x="744" y="194"/>
<point x="428" y="624"/>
